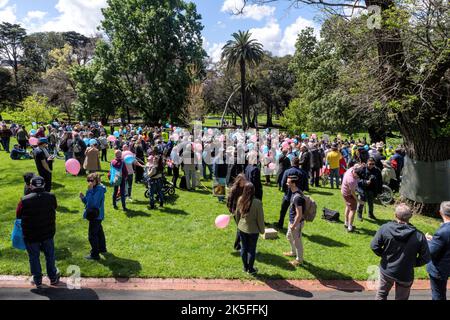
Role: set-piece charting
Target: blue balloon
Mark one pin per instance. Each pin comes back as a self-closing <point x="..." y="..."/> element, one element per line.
<point x="266" y="149"/>
<point x="140" y="129"/>
<point x="129" y="159"/>
<point x="366" y="147"/>
<point x="86" y="141"/>
<point x="33" y="131"/>
<point x="304" y="136"/>
<point x="124" y="131"/>
<point x="295" y="141"/>
<point x="34" y="124"/>
<point x="250" y="146"/>
<point x="92" y="142"/>
<point x="116" y="134"/>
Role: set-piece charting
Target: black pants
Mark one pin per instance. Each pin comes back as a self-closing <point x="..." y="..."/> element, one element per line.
<point x="96" y="238"/>
<point x="369" y="197"/>
<point x="81" y="161"/>
<point x="48" y="180"/>
<point x="104" y="153"/>
<point x="248" y="249"/>
<point x="169" y="171"/>
<point x="438" y="288"/>
<point x="284" y="208"/>
<point x="23" y="144"/>
<point x="237" y="241"/>
<point x="139" y="173"/>
<point x="176" y="175"/>
<point x="315" y="177"/>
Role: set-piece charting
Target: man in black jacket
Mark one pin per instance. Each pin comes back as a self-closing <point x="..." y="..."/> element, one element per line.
<point x="316" y="158"/>
<point x="253" y="174"/>
<point x="284" y="163"/>
<point x="402" y="248"/>
<point x="38" y="213"/>
<point x="305" y="159"/>
<point x="369" y="186"/>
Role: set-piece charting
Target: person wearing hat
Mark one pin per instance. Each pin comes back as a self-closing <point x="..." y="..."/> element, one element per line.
<point x="92" y="160"/>
<point x="44" y="162"/>
<point x="37" y="211"/>
<point x="333" y="158"/>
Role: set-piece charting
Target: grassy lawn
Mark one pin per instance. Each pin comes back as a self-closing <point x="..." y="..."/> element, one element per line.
<point x="181" y="240"/>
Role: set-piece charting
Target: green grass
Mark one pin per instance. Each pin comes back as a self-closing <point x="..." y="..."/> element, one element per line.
<point x="181" y="240"/>
<point x="212" y="120"/>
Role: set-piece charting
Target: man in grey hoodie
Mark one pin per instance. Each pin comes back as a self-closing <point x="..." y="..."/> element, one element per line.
<point x="402" y="248"/>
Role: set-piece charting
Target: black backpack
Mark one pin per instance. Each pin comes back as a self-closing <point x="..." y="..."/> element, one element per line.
<point x="330" y="215"/>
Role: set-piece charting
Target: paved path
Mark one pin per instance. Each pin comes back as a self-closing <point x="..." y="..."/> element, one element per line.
<point x="12" y="287"/>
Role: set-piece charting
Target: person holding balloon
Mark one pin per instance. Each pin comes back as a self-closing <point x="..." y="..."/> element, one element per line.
<point x="250" y="219"/>
<point x="118" y="173"/>
<point x="130" y="162"/>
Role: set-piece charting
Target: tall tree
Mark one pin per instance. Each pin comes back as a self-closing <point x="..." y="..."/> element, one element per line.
<point x="150" y="45"/>
<point x="37" y="48"/>
<point x="413" y="54"/>
<point x="243" y="51"/>
<point x="11" y="41"/>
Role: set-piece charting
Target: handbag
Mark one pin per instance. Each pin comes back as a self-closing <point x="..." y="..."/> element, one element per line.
<point x="17" y="235"/>
<point x="92" y="214"/>
<point x="330" y="215"/>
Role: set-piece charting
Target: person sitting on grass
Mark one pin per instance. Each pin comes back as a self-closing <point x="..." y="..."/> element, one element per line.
<point x="250" y="218"/>
<point x="94" y="212"/>
<point x="17" y="153"/>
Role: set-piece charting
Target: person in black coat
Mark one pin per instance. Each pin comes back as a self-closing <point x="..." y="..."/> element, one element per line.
<point x="253" y="174"/>
<point x="305" y="159"/>
<point x="439" y="245"/>
<point x="369" y="187"/>
<point x="38" y="213"/>
<point x="284" y="163"/>
<point x="316" y="158"/>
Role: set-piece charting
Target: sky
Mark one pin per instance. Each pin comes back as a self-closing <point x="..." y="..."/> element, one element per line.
<point x="275" y="25"/>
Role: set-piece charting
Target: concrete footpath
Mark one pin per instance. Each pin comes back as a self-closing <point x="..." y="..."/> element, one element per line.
<point x="13" y="288"/>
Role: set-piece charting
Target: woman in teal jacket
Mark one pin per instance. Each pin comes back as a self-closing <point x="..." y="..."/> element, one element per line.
<point x="95" y="199"/>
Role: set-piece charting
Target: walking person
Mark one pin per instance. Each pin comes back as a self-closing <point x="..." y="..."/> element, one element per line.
<point x="92" y="160"/>
<point x="250" y="219"/>
<point x="44" y="162"/>
<point x="38" y="213"/>
<point x="130" y="169"/>
<point x="402" y="248"/>
<point x="94" y="212"/>
<point x="118" y="171"/>
<point x="439" y="266"/>
<point x="235" y="192"/>
<point x="348" y="191"/>
<point x="370" y="185"/>
<point x="296" y="222"/>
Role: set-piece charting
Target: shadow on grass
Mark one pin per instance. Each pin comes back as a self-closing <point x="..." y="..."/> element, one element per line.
<point x="62" y="254"/>
<point x="121" y="268"/>
<point x="274" y="260"/>
<point x="283" y="286"/>
<point x="364" y="231"/>
<point x="62" y="209"/>
<point x="173" y="211"/>
<point x="325" y="241"/>
<point x="322" y="275"/>
<point x="56" y="186"/>
<point x="63" y="293"/>
<point x="322" y="193"/>
<point x="133" y="214"/>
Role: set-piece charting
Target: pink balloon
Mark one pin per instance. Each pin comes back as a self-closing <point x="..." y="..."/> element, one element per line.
<point x="222" y="138"/>
<point x="127" y="153"/>
<point x="198" y="147"/>
<point x="253" y="138"/>
<point x="73" y="166"/>
<point x="210" y="132"/>
<point x="285" y="145"/>
<point x="33" y="141"/>
<point x="272" y="166"/>
<point x="111" y="139"/>
<point x="222" y="221"/>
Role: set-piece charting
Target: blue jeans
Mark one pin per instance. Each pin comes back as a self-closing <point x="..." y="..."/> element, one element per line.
<point x="156" y="187"/>
<point x="334" y="173"/>
<point x="122" y="194"/>
<point x="34" y="249"/>
<point x="205" y="165"/>
<point x="438" y="288"/>
<point x="5" y="143"/>
<point x="248" y="249"/>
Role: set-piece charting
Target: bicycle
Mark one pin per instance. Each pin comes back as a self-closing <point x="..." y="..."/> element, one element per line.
<point x="386" y="196"/>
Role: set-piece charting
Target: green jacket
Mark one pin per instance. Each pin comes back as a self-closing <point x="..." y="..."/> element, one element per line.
<point x="254" y="220"/>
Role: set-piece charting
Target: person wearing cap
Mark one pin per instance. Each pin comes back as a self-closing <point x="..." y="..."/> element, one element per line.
<point x="439" y="266"/>
<point x="402" y="248"/>
<point x="333" y="158"/>
<point x="92" y="160"/>
<point x="37" y="211"/>
<point x="44" y="162"/>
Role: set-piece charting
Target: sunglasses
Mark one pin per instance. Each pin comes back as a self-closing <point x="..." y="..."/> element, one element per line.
<point x="90" y="180"/>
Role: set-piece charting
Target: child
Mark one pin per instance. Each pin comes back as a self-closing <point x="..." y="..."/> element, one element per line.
<point x="27" y="179"/>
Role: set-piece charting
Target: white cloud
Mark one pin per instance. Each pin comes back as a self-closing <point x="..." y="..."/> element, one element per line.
<point x="8" y="14"/>
<point x="278" y="42"/>
<point x="38" y="15"/>
<point x="82" y="16"/>
<point x="221" y="24"/>
<point x="215" y="51"/>
<point x="3" y="3"/>
<point x="250" y="11"/>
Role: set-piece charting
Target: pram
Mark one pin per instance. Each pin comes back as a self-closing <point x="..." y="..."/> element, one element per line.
<point x="168" y="187"/>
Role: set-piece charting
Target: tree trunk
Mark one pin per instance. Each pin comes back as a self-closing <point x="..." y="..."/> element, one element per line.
<point x="243" y="94"/>
<point x="377" y="134"/>
<point x="269" y="122"/>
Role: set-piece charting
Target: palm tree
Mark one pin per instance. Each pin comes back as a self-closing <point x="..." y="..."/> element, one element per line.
<point x="242" y="50"/>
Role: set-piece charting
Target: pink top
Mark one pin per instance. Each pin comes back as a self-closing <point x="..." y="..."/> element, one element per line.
<point x="349" y="183"/>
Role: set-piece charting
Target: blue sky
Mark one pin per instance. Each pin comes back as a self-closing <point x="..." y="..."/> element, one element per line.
<point x="275" y="25"/>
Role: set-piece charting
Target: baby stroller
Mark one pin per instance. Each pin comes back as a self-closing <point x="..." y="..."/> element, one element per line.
<point x="168" y="187"/>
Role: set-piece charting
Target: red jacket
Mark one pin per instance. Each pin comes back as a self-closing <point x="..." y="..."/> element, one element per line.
<point x="342" y="166"/>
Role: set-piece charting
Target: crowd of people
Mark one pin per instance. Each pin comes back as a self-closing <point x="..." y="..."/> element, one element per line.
<point x="298" y="162"/>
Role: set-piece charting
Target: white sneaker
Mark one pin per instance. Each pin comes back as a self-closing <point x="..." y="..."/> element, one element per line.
<point x="129" y="200"/>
